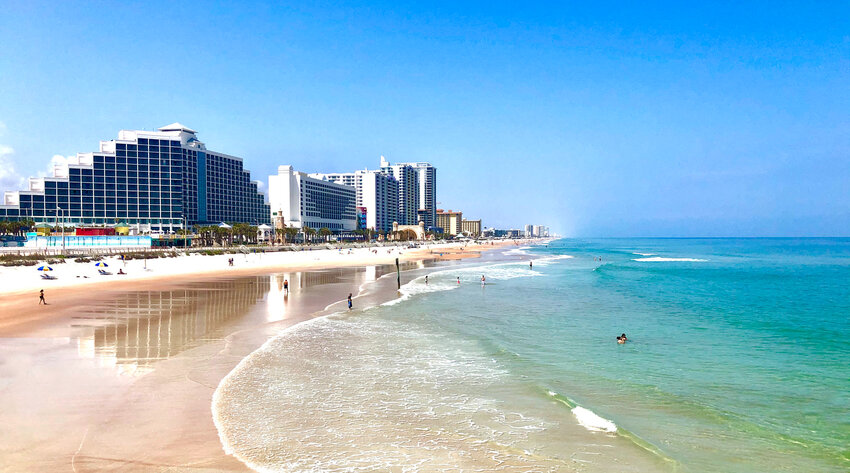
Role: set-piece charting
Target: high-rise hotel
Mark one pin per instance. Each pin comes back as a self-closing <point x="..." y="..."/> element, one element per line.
<point x="377" y="196"/>
<point x="417" y="191"/>
<point x="157" y="181"/>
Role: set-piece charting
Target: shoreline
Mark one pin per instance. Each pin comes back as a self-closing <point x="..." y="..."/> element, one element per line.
<point x="20" y="285"/>
<point x="157" y="416"/>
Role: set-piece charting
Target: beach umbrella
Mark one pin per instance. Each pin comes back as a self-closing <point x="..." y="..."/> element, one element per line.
<point x="101" y="263"/>
<point x="45" y="268"/>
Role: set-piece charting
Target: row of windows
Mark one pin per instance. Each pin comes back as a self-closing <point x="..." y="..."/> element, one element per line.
<point x="146" y="178"/>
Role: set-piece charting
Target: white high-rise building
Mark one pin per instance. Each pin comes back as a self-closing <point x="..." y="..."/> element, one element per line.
<point x="427" y="176"/>
<point x="408" y="190"/>
<point x="302" y="200"/>
<point x="377" y="193"/>
<point x="538" y="231"/>
<point x="529" y="231"/>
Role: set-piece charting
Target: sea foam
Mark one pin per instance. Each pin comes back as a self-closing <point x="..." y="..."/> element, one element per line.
<point x="657" y="259"/>
<point x="591" y="421"/>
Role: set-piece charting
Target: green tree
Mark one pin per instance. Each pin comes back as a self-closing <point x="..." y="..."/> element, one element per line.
<point x="325" y="233"/>
<point x="309" y="232"/>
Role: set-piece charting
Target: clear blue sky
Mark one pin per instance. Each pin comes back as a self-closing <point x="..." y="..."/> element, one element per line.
<point x="615" y="119"/>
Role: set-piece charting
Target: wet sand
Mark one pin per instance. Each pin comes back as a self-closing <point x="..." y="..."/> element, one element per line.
<point x="120" y="377"/>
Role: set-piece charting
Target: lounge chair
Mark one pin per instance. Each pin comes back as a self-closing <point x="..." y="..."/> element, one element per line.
<point x="103" y="272"/>
<point x="47" y="277"/>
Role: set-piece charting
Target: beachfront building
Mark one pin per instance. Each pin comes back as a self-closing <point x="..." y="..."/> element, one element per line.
<point x="377" y="196"/>
<point x="408" y="190"/>
<point x="152" y="181"/>
<point x="471" y="227"/>
<point x="541" y="231"/>
<point x="450" y="221"/>
<point x="298" y="200"/>
<point x="427" y="177"/>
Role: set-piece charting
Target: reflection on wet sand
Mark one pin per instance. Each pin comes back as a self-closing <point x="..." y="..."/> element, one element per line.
<point x="278" y="299"/>
<point x="139" y="328"/>
<point x="136" y="329"/>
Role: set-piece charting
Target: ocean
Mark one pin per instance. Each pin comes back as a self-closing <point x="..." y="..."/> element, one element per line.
<point x="738" y="360"/>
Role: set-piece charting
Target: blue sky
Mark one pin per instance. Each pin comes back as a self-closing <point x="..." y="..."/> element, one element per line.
<point x="603" y="120"/>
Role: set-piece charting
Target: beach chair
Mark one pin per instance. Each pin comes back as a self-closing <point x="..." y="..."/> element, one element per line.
<point x="103" y="272"/>
<point x="47" y="277"/>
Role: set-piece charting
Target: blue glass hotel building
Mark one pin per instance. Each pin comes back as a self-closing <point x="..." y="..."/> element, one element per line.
<point x="158" y="181"/>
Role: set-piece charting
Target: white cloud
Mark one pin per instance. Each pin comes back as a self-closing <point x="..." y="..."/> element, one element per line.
<point x="10" y="179"/>
<point x="56" y="161"/>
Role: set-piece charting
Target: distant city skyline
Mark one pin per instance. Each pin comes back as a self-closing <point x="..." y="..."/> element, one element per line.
<point x="628" y="120"/>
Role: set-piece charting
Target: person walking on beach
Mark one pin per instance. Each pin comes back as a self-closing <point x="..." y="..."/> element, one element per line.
<point x="349" y="301"/>
<point x="286" y="286"/>
<point x="41" y="297"/>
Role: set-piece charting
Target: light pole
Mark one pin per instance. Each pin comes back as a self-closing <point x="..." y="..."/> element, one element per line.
<point x="60" y="209"/>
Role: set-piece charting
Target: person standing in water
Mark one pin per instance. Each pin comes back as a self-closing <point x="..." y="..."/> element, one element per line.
<point x="426" y="279"/>
<point x="530" y="265"/>
<point x="41" y="297"/>
<point x="286" y="286"/>
<point x="458" y="279"/>
<point x="349" y="301"/>
<point x="483" y="280"/>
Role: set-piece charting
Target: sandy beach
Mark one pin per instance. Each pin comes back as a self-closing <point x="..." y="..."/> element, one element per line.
<point x="117" y="373"/>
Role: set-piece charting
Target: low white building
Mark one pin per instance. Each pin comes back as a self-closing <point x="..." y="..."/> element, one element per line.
<point x="303" y="200"/>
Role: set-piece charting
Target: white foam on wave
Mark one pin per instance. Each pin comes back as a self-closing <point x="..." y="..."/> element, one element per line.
<point x="590" y="421"/>
<point x="516" y="251"/>
<point x="657" y="259"/>
<point x="546" y="261"/>
<point x="335" y="396"/>
<point x="446" y="280"/>
<point x="644" y="254"/>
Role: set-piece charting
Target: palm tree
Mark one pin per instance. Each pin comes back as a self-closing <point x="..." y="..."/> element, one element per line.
<point x="290" y="232"/>
<point x="325" y="232"/>
<point x="309" y="232"/>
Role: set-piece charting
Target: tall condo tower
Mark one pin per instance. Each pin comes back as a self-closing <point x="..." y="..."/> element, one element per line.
<point x="408" y="190"/>
<point x="427" y="191"/>
<point x="377" y="195"/>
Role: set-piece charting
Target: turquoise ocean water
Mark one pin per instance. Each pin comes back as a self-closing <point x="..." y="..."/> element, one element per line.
<point x="738" y="361"/>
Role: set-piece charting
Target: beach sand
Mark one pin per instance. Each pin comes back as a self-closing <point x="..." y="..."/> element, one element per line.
<point x="118" y="373"/>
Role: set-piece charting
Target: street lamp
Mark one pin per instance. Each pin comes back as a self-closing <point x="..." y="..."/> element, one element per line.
<point x="60" y="209"/>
